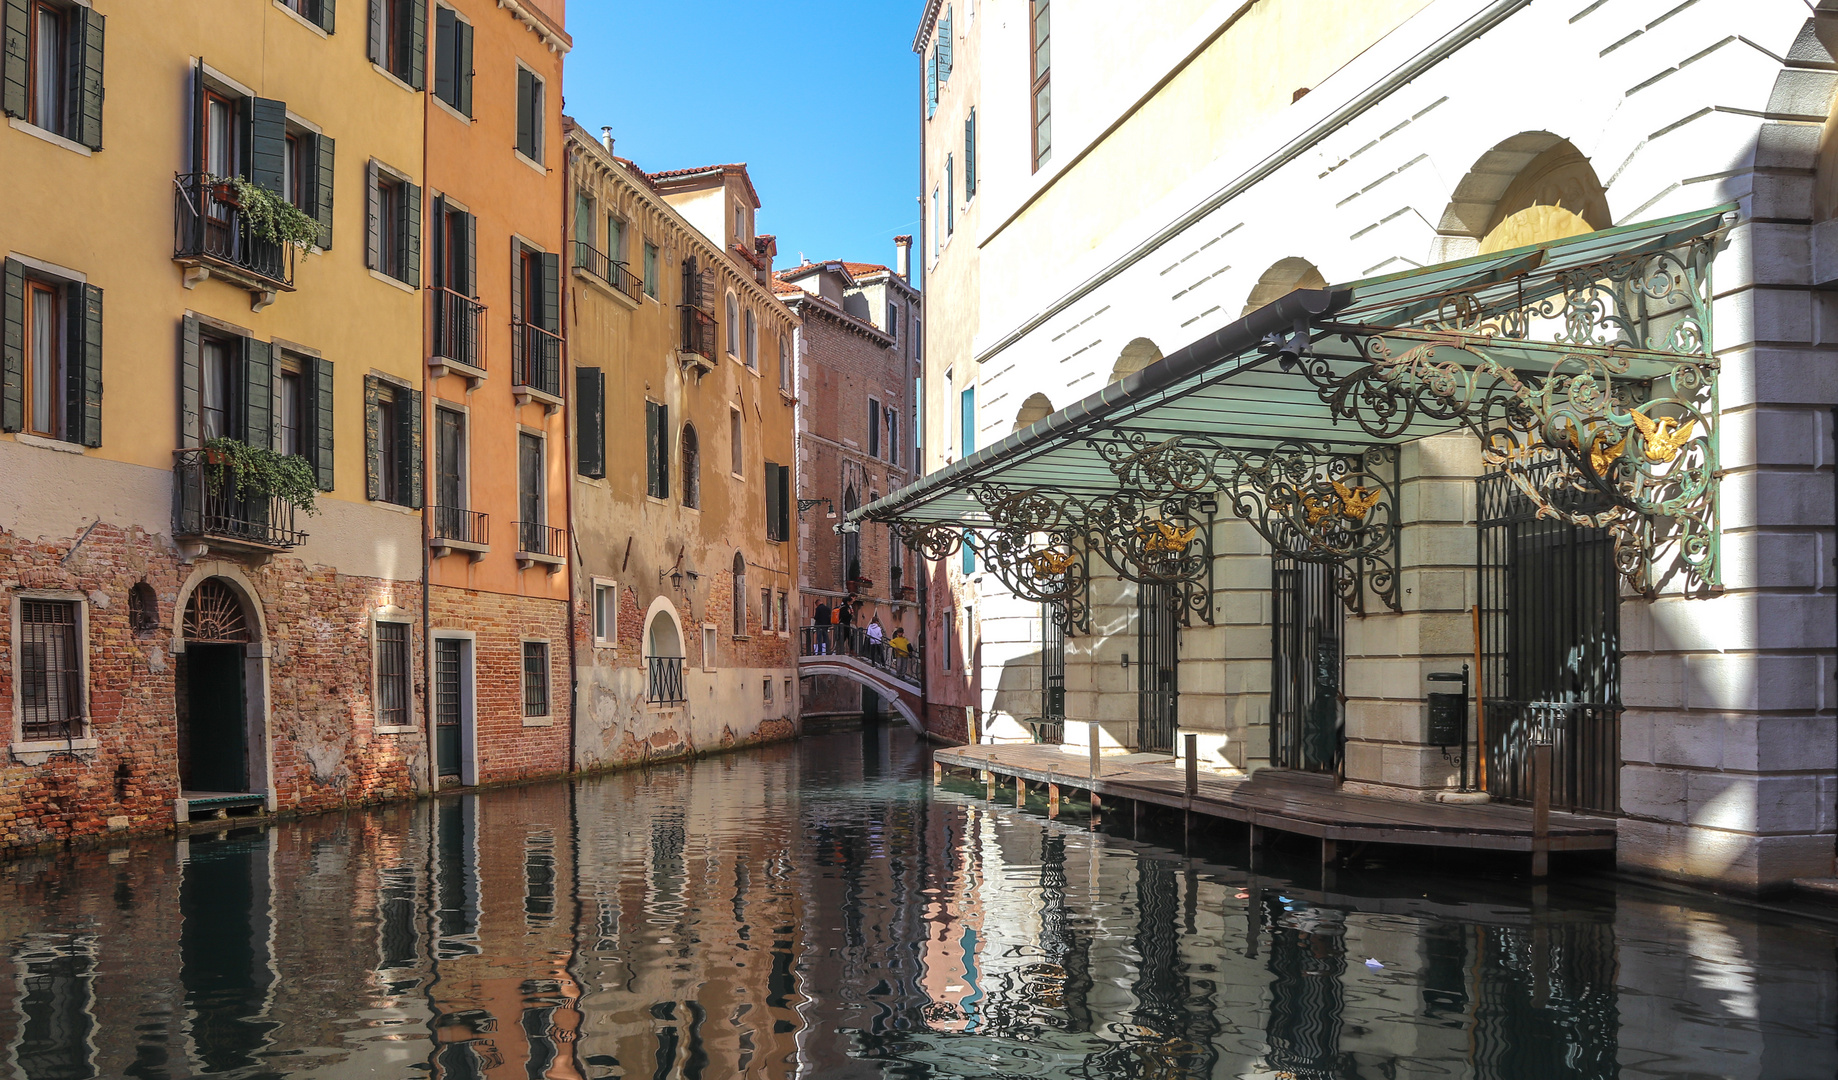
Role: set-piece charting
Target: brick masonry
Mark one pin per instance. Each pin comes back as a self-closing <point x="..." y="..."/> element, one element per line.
<point x="511" y="746"/>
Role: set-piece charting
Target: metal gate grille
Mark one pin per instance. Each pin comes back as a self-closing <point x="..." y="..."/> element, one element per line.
<point x="1157" y="675"/>
<point x="1308" y="628"/>
<point x="1052" y="673"/>
<point x="1550" y="649"/>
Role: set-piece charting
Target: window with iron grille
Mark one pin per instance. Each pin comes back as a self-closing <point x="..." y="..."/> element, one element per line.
<point x="535" y="678"/>
<point x="50" y="670"/>
<point x="392" y="674"/>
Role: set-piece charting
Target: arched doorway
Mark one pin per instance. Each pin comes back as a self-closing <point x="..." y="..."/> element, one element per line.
<point x="663" y="656"/>
<point x="218" y="746"/>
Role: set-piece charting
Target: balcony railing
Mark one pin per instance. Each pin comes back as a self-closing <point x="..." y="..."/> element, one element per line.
<point x="699" y="333"/>
<point x="206" y="507"/>
<point x="838" y="640"/>
<point x="536" y="358"/>
<point x="535" y="538"/>
<point x="459" y="327"/>
<point x="608" y="269"/>
<point x="665" y="684"/>
<point x="459" y="525"/>
<point x="211" y="230"/>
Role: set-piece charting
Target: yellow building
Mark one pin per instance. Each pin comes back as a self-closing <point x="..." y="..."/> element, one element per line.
<point x="173" y="633"/>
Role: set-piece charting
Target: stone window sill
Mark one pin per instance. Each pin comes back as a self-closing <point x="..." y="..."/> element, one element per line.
<point x="539" y="721"/>
<point x="39" y="751"/>
<point x="397" y="729"/>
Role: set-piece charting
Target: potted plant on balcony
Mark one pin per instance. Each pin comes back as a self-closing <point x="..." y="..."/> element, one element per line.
<point x="270" y="217"/>
<point x="261" y="473"/>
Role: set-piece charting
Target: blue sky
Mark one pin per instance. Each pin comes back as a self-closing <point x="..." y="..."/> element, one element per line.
<point x="817" y="97"/>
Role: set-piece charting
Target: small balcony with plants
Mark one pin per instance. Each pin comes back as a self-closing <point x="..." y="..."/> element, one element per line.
<point x="233" y="497"/>
<point x="536" y="365"/>
<point x="238" y="231"/>
<point x="459" y="336"/>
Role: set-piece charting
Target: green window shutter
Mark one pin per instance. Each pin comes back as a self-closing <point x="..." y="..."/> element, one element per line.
<point x="13" y="347"/>
<point x="418" y="44"/>
<point x="464" y="74"/>
<point x="931" y="83"/>
<point x="411" y="234"/>
<point x="373" y="421"/>
<point x="197" y="115"/>
<point x="191" y="382"/>
<point x="551" y="291"/>
<point x="265" y="142"/>
<point x="526" y="130"/>
<point x="590" y="421"/>
<point x="970" y="153"/>
<point x="378" y="36"/>
<point x="86" y="26"/>
<point x="83" y="374"/>
<point x="785" y="500"/>
<point x="772" y="501"/>
<point x="437" y="241"/>
<point x="373" y="217"/>
<point x="944" y="47"/>
<point x="446" y="47"/>
<point x="469" y="264"/>
<point x="322" y="399"/>
<point x="651" y="448"/>
<point x="324" y="148"/>
<point x="13" y="92"/>
<point x="258" y="393"/>
<point x="328" y="21"/>
<point x="408" y="450"/>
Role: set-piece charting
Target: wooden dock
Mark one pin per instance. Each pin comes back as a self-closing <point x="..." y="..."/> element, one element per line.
<point x="1285" y="802"/>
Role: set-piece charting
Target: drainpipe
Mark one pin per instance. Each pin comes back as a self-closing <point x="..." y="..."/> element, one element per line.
<point x="574" y="678"/>
<point x="1835" y="548"/>
<point x="427" y="618"/>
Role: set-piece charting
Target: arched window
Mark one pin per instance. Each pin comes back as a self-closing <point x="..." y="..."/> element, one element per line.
<point x="1546" y="189"/>
<point x="692" y="468"/>
<point x="143" y="609"/>
<point x="733" y="326"/>
<point x="1284" y="277"/>
<point x="740" y="594"/>
<point x="752" y="341"/>
<point x="1138" y="354"/>
<point x="1035" y="409"/>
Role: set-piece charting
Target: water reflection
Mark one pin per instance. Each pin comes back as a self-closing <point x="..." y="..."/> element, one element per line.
<point x="817" y="911"/>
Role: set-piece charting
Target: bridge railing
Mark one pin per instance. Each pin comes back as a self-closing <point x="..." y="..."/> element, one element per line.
<point x="837" y="640"/>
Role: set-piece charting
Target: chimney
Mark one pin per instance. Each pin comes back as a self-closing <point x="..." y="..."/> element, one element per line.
<point x="903" y="257"/>
<point x="606" y="138"/>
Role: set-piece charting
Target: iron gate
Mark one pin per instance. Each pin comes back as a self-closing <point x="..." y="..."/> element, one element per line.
<point x="1309" y="625"/>
<point x="1158" y="685"/>
<point x="1550" y="649"/>
<point x="1052" y="674"/>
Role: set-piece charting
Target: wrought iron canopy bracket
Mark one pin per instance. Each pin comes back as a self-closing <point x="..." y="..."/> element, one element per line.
<point x="806" y="504"/>
<point x="1047" y="569"/>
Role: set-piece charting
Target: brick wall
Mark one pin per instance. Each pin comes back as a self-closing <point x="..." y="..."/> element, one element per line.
<point x="507" y="749"/>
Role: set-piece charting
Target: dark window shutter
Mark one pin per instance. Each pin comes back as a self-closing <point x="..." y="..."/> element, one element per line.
<point x="437" y="241"/>
<point x="446" y="49"/>
<point x="970" y="153"/>
<point x="651" y="422"/>
<point x="464" y="74"/>
<point x="526" y="131"/>
<point x="411" y="234"/>
<point x="258" y="393"/>
<point x="772" y="501"/>
<point x="931" y="83"/>
<point x="373" y="439"/>
<point x="874" y="428"/>
<point x="13" y="343"/>
<point x="785" y="499"/>
<point x="944" y="47"/>
<point x="324" y="149"/>
<point x="328" y="21"/>
<point x="86" y="26"/>
<point x="408" y="450"/>
<point x="378" y="37"/>
<point x="197" y="115"/>
<point x="551" y="309"/>
<point x="265" y="142"/>
<point x="191" y="382"/>
<point x="321" y="400"/>
<point x="83" y="371"/>
<point x="373" y="250"/>
<point x="590" y="425"/>
<point x="418" y="44"/>
<point x="517" y="306"/>
<point x="469" y="264"/>
<point x="17" y="66"/>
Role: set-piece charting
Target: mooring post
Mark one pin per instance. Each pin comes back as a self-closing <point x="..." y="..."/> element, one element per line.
<point x="989" y="784"/>
<point x="1052" y="801"/>
<point x="1541" y="809"/>
<point x="1020" y="793"/>
<point x="1189" y="742"/>
<point x="1096" y="802"/>
<point x="938" y="773"/>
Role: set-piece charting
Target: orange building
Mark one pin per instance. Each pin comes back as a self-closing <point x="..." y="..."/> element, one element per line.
<point x="497" y="506"/>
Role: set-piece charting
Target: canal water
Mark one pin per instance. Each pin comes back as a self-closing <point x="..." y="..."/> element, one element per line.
<point x="818" y="910"/>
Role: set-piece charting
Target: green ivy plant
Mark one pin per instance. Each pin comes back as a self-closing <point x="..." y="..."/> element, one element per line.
<point x="270" y="217"/>
<point x="259" y="471"/>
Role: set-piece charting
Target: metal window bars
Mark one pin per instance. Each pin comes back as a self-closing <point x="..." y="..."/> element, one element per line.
<point x="664" y="685"/>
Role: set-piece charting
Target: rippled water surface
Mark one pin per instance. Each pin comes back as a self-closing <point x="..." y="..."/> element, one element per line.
<point x="818" y="910"/>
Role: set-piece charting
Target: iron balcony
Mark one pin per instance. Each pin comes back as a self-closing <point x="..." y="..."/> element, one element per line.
<point x="536" y="364"/>
<point x="459" y="329"/>
<point x="614" y="272"/>
<point x="454" y="528"/>
<point x="699" y="333"/>
<point x="206" y="509"/>
<point x="212" y="235"/>
<point x="539" y="543"/>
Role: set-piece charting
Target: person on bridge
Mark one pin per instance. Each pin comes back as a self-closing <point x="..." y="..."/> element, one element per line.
<point x="820" y="629"/>
<point x="902" y="648"/>
<point x="876" y="655"/>
<point x="845" y="625"/>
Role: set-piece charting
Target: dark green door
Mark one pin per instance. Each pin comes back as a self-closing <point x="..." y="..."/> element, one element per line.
<point x="216" y="731"/>
<point x="449" y="654"/>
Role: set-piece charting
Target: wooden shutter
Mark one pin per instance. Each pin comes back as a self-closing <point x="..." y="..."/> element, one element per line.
<point x="83" y="364"/>
<point x="469" y="263"/>
<point x="320" y="401"/>
<point x="197" y="116"/>
<point x="590" y="422"/>
<point x="324" y="148"/>
<point x="446" y="51"/>
<point x="13" y="345"/>
<point x="931" y="83"/>
<point x="874" y="428"/>
<point x="551" y="309"/>
<point x="464" y="72"/>
<point x="328" y="21"/>
<point x="418" y="44"/>
<point x="652" y="420"/>
<point x="411" y="234"/>
<point x="373" y="436"/>
<point x="16" y="66"/>
<point x="191" y="382"/>
<point x="265" y="142"/>
<point x="944" y="47"/>
<point x="772" y="501"/>
<point x="258" y="393"/>
<point x="409" y="448"/>
<point x="970" y="153"/>
<point x="378" y="37"/>
<point x="86" y="31"/>
<point x="526" y="131"/>
<point x="373" y="250"/>
<point x="437" y="241"/>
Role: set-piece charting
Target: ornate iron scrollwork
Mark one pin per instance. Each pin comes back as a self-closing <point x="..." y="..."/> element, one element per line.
<point x="1045" y="566"/>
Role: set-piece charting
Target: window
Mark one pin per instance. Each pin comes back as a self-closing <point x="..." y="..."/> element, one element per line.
<point x="657" y="450"/>
<point x="529" y="114"/>
<point x="254" y="138"/>
<point x="651" y="271"/>
<point x="967" y="420"/>
<point x="1042" y="91"/>
<point x="739" y="603"/>
<point x="398" y="39"/>
<point x="44" y="368"/>
<point x="931" y="83"/>
<point x="874" y="428"/>
<point x="768" y="683"/>
<point x="950" y="635"/>
<point x="893" y="436"/>
<point x="221" y="390"/>
<point x="392" y="674"/>
<point x="615" y="238"/>
<point x="392" y="432"/>
<point x="935" y="237"/>
<point x="536" y="320"/>
<point x="970" y="154"/>
<point x="53" y="68"/>
<point x="784" y="365"/>
<point x="290" y="411"/>
<point x="738" y="462"/>
<point x="969" y="555"/>
<point x="733" y="327"/>
<point x="944" y="47"/>
<point x="50" y="670"/>
<point x="752" y="341"/>
<point x="590" y="421"/>
<point x="778" y="501"/>
<point x="692" y="468"/>
<point x="784" y="613"/>
<point x="532" y="512"/>
<point x="450" y="470"/>
<point x="765" y="609"/>
<point x="950" y="195"/>
<point x="535" y="678"/>
<point x="740" y="223"/>
<point x="394" y="246"/>
<point x="606" y="612"/>
<point x="585" y="220"/>
<point x="453" y="60"/>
